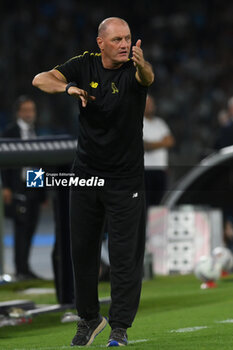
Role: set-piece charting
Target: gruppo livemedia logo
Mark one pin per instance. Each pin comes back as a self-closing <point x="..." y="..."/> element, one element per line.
<point x="35" y="178"/>
<point x="38" y="178"/>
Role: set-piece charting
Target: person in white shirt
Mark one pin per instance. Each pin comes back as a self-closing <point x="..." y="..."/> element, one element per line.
<point x="157" y="140"/>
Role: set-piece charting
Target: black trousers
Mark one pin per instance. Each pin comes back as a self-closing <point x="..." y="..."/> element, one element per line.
<point x="123" y="202"/>
<point x="25" y="222"/>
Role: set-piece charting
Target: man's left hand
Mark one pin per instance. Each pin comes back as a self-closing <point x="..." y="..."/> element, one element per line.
<point x="144" y="72"/>
<point x="137" y="57"/>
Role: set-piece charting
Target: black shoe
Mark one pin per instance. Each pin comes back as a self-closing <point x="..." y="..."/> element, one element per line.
<point x="88" y="330"/>
<point x="29" y="275"/>
<point x="118" y="337"/>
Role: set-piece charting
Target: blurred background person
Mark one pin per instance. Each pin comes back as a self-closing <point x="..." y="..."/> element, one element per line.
<point x="157" y="140"/>
<point x="225" y="133"/>
<point x="223" y="118"/>
<point x="21" y="204"/>
<point x="225" y="139"/>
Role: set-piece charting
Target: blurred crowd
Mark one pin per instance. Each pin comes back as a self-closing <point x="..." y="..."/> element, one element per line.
<point x="189" y="44"/>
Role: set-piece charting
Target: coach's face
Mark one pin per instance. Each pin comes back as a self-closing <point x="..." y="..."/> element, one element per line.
<point x="115" y="44"/>
<point x="27" y="112"/>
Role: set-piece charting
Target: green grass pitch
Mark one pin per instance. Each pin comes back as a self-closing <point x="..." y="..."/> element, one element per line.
<point x="171" y="307"/>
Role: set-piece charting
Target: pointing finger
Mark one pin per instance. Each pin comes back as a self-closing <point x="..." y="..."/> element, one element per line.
<point x="138" y="43"/>
<point x="84" y="101"/>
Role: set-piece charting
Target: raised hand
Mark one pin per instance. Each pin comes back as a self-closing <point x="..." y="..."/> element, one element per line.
<point x="137" y="57"/>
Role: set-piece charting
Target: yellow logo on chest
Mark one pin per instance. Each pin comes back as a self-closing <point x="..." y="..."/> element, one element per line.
<point x="94" y="84"/>
<point x="114" y="88"/>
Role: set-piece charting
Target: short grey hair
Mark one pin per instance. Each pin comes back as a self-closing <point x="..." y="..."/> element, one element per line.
<point x="105" y="23"/>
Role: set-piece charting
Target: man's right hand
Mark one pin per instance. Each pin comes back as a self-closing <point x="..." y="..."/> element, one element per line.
<point x="7" y="195"/>
<point x="54" y="82"/>
<point x="82" y="94"/>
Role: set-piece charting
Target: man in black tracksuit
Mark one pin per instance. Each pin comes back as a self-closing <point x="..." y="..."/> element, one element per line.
<point x="112" y="90"/>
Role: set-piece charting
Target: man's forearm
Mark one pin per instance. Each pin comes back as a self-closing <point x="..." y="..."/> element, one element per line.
<point x="166" y="142"/>
<point x="153" y="145"/>
<point x="50" y="82"/>
<point x="145" y="74"/>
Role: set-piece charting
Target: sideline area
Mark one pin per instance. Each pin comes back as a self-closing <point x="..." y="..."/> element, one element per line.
<point x="168" y="305"/>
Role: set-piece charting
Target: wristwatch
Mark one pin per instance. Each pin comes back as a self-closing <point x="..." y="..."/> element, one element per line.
<point x="69" y="85"/>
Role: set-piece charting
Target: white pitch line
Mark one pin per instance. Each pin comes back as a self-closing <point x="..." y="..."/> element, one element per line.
<point x="230" y="320"/>
<point x="189" y="329"/>
<point x="138" y="341"/>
